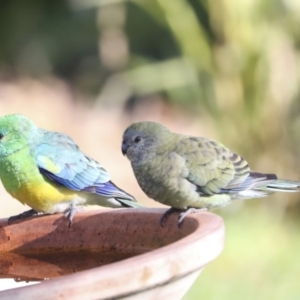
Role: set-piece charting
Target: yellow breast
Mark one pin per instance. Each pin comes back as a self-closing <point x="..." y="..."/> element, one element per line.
<point x="42" y="196"/>
<point x="24" y="181"/>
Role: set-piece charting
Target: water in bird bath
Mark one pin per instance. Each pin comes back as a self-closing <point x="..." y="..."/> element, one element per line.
<point x="44" y="247"/>
<point x="17" y="270"/>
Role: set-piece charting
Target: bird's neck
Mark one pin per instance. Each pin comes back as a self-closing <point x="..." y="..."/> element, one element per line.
<point x="16" y="168"/>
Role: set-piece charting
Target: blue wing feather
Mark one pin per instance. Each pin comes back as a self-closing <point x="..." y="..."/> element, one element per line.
<point x="60" y="159"/>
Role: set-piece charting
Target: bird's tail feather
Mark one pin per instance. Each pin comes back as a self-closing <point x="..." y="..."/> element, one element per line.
<point x="110" y="190"/>
<point x="259" y="185"/>
<point x="281" y="185"/>
<point x="119" y="195"/>
<point x="128" y="203"/>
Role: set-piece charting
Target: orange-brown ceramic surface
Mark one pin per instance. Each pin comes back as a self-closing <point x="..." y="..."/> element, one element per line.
<point x="113" y="253"/>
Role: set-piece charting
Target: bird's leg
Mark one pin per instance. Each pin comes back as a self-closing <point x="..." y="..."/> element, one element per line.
<point x="167" y="214"/>
<point x="23" y="215"/>
<point x="190" y="210"/>
<point x="71" y="211"/>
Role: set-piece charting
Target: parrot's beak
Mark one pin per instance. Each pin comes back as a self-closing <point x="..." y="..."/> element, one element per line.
<point x="124" y="147"/>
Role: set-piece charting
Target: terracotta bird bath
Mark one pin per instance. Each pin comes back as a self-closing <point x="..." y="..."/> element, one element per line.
<point x="108" y="254"/>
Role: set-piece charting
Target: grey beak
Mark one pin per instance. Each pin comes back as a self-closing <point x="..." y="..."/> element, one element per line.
<point x="124" y="147"/>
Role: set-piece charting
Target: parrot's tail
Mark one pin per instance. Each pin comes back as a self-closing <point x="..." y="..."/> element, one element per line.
<point x="109" y="195"/>
<point x="270" y="182"/>
<point x="119" y="195"/>
<point x="259" y="185"/>
<point x="110" y="190"/>
<point x="128" y="203"/>
<point x="281" y="185"/>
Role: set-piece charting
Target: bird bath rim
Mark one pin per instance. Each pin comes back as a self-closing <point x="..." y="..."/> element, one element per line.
<point x="182" y="254"/>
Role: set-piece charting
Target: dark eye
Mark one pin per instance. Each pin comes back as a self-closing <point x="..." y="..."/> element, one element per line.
<point x="1" y="136"/>
<point x="137" y="139"/>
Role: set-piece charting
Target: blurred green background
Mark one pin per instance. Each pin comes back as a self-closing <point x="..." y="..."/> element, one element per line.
<point x="226" y="69"/>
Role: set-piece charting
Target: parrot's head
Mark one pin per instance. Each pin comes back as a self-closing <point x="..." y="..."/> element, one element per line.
<point x="143" y="140"/>
<point x="16" y="132"/>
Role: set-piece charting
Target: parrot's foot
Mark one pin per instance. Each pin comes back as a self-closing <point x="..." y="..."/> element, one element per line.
<point x="71" y="211"/>
<point x="23" y="215"/>
<point x="190" y="210"/>
<point x="166" y="215"/>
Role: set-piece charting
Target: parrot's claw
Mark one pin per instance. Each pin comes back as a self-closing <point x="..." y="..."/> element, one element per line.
<point x="166" y="215"/>
<point x="190" y="210"/>
<point x="23" y="215"/>
<point x="70" y="213"/>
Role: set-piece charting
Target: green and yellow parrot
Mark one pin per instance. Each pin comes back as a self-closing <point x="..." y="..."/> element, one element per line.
<point x="47" y="171"/>
<point x="192" y="173"/>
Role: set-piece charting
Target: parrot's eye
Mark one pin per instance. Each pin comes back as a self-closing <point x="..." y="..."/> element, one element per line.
<point x="137" y="139"/>
<point x="1" y="136"/>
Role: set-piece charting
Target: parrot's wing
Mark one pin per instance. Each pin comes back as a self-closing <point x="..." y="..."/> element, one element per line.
<point x="212" y="167"/>
<point x="60" y="159"/>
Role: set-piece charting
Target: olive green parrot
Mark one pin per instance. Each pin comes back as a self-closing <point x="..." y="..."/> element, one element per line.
<point x="192" y="173"/>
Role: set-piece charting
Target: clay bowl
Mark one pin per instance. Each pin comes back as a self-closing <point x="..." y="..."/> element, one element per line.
<point x="108" y="254"/>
